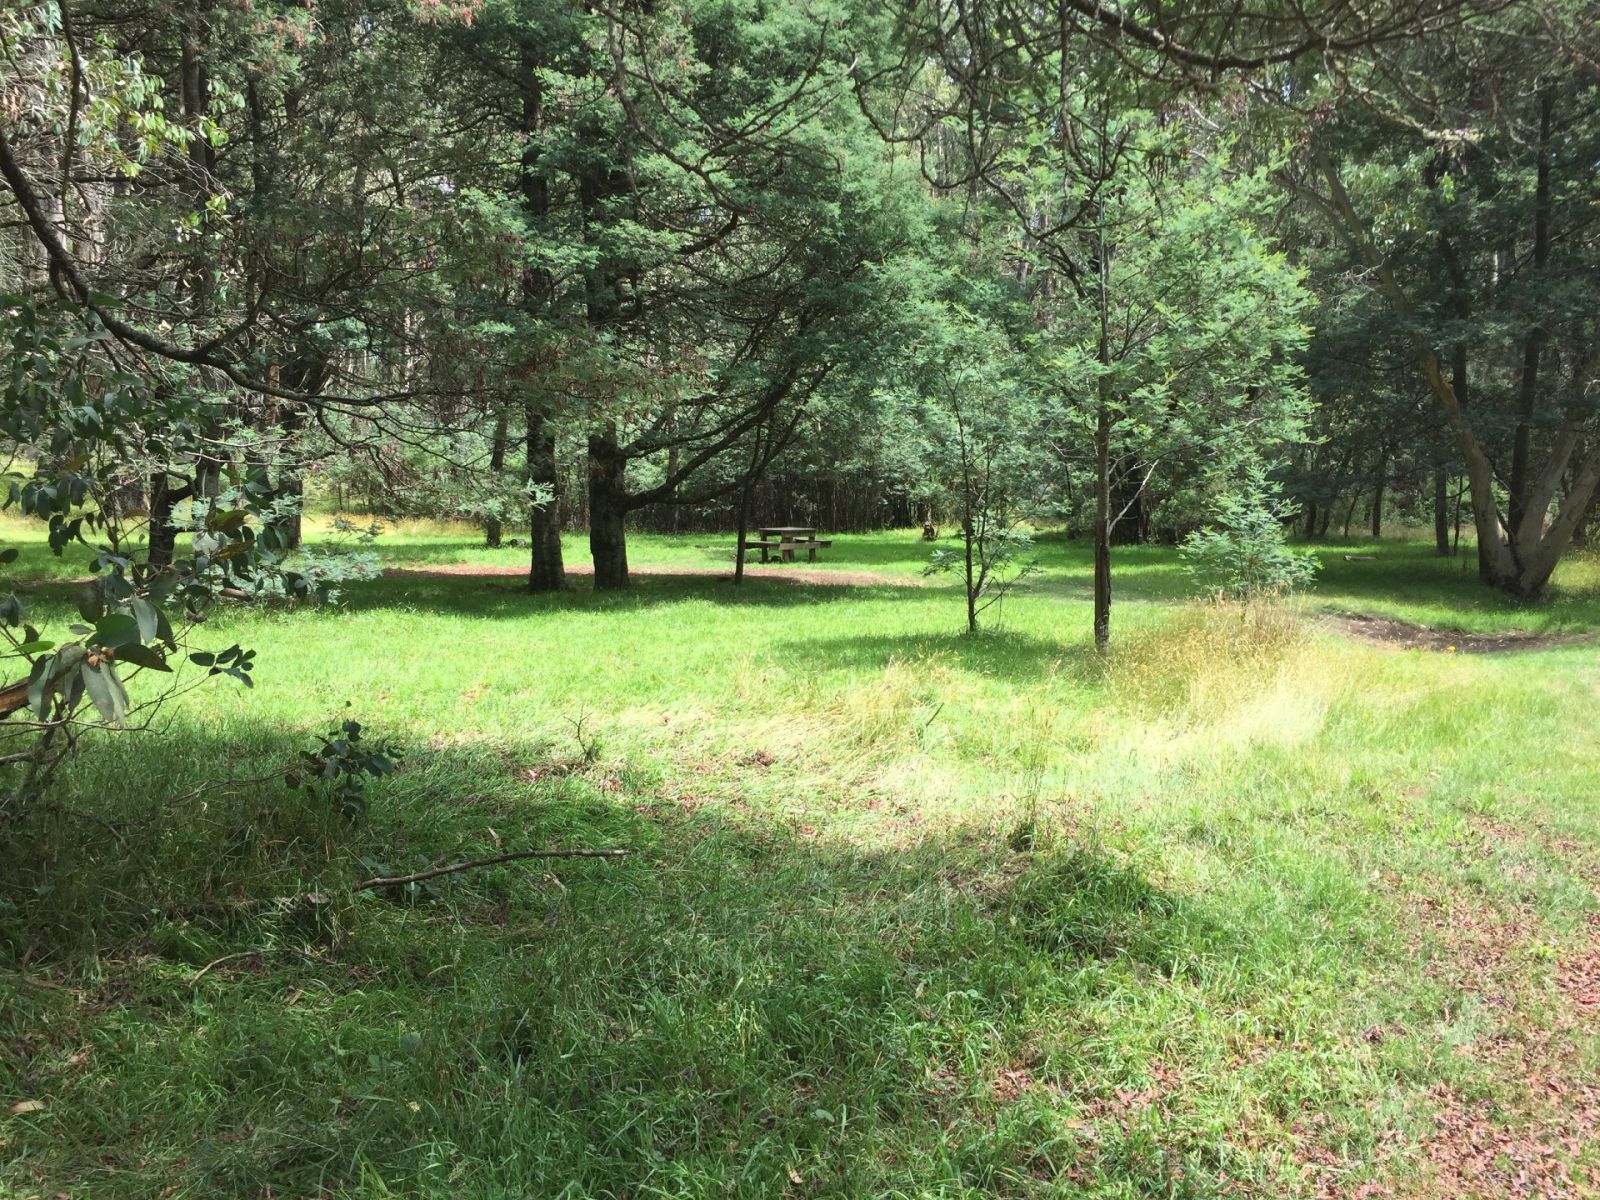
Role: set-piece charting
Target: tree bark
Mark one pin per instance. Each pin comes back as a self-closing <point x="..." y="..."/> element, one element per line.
<point x="1377" y="495"/>
<point x="545" y="570"/>
<point x="1102" y="444"/>
<point x="1102" y="527"/>
<point x="607" y="511"/>
<point x="163" y="537"/>
<point x="492" y="525"/>
<point x="746" y="492"/>
<point x="1441" y="512"/>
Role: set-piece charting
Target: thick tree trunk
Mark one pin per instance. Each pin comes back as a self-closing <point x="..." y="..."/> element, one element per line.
<point x="608" y="544"/>
<point x="545" y="570"/>
<point x="163" y="537"/>
<point x="290" y="484"/>
<point x="292" y="487"/>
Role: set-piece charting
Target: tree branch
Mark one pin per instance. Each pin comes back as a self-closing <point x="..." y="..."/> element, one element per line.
<point x="473" y="864"/>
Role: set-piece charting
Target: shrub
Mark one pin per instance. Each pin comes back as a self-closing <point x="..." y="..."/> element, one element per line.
<point x="1246" y="556"/>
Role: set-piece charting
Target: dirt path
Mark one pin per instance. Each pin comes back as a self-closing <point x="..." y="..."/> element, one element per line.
<point x="1403" y="635"/>
<point x="787" y="574"/>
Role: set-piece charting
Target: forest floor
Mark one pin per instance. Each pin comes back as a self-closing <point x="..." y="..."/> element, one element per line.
<point x="1251" y="908"/>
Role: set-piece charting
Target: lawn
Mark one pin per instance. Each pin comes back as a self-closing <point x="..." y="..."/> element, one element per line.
<point x="1247" y="909"/>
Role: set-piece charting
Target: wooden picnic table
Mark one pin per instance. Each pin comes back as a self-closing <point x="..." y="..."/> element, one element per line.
<point x="786" y="539"/>
<point x="784" y="531"/>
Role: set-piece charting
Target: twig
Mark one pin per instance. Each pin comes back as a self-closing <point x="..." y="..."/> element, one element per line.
<point x="435" y="872"/>
<point x="217" y="962"/>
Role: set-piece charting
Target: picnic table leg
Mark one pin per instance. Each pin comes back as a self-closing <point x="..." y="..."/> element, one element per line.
<point x="763" y="552"/>
<point x="811" y="554"/>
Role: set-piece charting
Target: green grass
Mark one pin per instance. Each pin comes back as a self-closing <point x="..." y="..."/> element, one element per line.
<point x="908" y="913"/>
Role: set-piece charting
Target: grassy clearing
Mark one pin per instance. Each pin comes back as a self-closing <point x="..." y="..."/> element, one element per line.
<point x="1248" y="911"/>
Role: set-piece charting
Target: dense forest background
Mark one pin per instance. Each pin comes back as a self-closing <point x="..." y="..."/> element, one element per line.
<point x="550" y="266"/>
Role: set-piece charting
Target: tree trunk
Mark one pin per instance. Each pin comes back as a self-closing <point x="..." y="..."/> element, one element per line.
<point x="674" y="510"/>
<point x="1377" y="496"/>
<point x="1441" y="513"/>
<point x="1102" y="529"/>
<point x="607" y="497"/>
<point x="545" y="570"/>
<point x="1102" y="443"/>
<point x="492" y="526"/>
<point x="746" y="491"/>
<point x="291" y="485"/>
<point x="1533" y="343"/>
<point x="163" y="537"/>
<point x="744" y="532"/>
<point x="1132" y="526"/>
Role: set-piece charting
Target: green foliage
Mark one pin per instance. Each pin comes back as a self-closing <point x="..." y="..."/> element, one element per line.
<point x="1247" y="555"/>
<point x="340" y="768"/>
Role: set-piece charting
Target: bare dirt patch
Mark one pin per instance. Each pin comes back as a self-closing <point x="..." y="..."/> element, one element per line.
<point x="776" y="574"/>
<point x="1403" y="635"/>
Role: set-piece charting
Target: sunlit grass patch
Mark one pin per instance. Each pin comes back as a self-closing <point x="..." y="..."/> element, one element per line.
<point x="908" y="912"/>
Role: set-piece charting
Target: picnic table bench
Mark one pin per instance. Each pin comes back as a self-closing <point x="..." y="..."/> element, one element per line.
<point x="784" y="540"/>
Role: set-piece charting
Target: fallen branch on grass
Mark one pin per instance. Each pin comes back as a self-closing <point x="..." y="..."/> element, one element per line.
<point x="217" y="962"/>
<point x="453" y="868"/>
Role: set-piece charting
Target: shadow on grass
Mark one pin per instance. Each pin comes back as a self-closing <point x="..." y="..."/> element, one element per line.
<point x="999" y="653"/>
<point x="1392" y="576"/>
<point x="504" y="597"/>
<point x="738" y="1003"/>
<point x="899" y="549"/>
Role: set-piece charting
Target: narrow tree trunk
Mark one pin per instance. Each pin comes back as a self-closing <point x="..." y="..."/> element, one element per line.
<point x="1377" y="497"/>
<point x="1102" y="444"/>
<point x="968" y="535"/>
<point x="1441" y="513"/>
<point x="744" y="532"/>
<point x="1102" y="528"/>
<point x="674" y="510"/>
<point x="752" y="477"/>
<point x="492" y="525"/>
<point x="545" y="570"/>
<point x="607" y="496"/>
